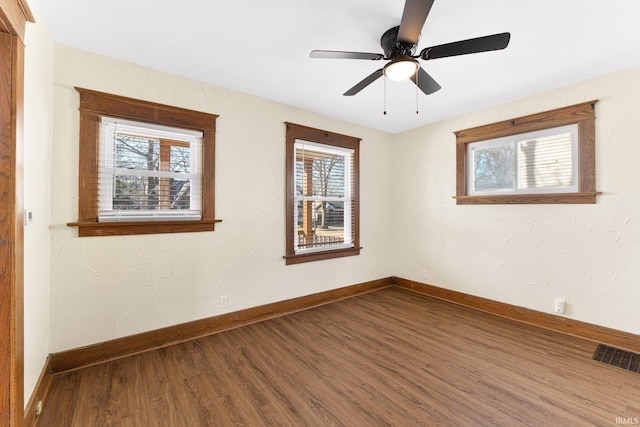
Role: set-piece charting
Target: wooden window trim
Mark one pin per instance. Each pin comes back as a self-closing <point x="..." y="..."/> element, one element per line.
<point x="581" y="114"/>
<point x="14" y="15"/>
<point x="294" y="132"/>
<point x="95" y="104"/>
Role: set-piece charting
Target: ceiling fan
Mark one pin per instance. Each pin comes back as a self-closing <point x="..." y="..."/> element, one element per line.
<point x="400" y="43"/>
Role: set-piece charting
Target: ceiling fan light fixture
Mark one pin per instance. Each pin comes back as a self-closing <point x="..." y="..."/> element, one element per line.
<point x="401" y="69"/>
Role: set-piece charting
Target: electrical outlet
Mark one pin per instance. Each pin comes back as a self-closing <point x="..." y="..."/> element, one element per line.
<point x="560" y="305"/>
<point x="28" y="218"/>
<point x="425" y="275"/>
<point x="224" y="301"/>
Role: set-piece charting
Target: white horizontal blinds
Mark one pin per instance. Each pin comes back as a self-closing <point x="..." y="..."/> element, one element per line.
<point x="323" y="197"/>
<point x="546" y="162"/>
<point x="149" y="172"/>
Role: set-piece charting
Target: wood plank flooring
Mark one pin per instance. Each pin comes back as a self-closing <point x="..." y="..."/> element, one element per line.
<point x="387" y="358"/>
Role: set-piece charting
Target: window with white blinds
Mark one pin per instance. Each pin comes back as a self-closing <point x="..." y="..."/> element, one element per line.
<point x="544" y="161"/>
<point x="148" y="172"/>
<point x="323" y="195"/>
<point x="323" y="202"/>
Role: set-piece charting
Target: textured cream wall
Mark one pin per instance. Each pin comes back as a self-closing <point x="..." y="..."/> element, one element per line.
<point x="38" y="130"/>
<point x="527" y="255"/>
<point x="108" y="287"/>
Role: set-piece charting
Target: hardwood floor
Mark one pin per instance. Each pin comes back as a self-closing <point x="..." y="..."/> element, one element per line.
<point x="389" y="357"/>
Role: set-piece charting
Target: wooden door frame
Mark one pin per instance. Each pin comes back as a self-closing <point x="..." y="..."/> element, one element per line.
<point x="14" y="14"/>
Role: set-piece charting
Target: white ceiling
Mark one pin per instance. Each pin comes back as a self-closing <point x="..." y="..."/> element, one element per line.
<point x="262" y="48"/>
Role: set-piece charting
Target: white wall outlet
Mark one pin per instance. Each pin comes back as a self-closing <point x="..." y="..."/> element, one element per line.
<point x="28" y="217"/>
<point x="560" y="304"/>
<point x="224" y="301"/>
<point x="425" y="275"/>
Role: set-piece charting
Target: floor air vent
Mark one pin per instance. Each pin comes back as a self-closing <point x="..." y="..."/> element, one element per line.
<point x="616" y="357"/>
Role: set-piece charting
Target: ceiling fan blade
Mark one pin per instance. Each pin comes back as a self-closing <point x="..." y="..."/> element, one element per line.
<point x="338" y="54"/>
<point x="425" y="82"/>
<point x="364" y="83"/>
<point x="413" y="17"/>
<point x="464" y="47"/>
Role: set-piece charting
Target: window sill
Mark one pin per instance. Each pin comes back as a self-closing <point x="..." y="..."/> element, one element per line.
<point x="513" y="199"/>
<point x="86" y="229"/>
<point x="317" y="256"/>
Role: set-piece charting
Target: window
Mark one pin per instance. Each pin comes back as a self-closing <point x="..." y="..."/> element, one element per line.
<point x="322" y="195"/>
<point x="144" y="167"/>
<point x="148" y="173"/>
<point x="543" y="158"/>
<point x="533" y="162"/>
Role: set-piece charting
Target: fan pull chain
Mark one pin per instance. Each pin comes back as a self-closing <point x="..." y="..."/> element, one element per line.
<point x="417" y="107"/>
<point x="385" y="95"/>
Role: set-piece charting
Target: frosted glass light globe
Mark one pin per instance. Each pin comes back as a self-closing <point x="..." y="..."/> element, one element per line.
<point x="401" y="69"/>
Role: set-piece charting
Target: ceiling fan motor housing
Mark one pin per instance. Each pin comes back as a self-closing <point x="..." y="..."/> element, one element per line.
<point x="391" y="47"/>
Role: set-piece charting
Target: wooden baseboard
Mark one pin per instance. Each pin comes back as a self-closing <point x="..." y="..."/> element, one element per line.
<point x="146" y="341"/>
<point x="39" y="394"/>
<point x="151" y="340"/>
<point x="598" y="334"/>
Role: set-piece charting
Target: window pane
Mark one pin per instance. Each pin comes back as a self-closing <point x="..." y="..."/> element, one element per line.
<point x="180" y="159"/>
<point x="142" y="180"/>
<point x="323" y="186"/>
<point x="135" y="193"/>
<point x="180" y="194"/>
<point x="135" y="152"/>
<point x="328" y="176"/>
<point x="150" y="193"/>
<point x="319" y="174"/>
<point x="326" y="224"/>
<point x="546" y="162"/>
<point x="493" y="168"/>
